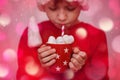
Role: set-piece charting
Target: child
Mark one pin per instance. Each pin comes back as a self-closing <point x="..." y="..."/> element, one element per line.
<point x="90" y="56"/>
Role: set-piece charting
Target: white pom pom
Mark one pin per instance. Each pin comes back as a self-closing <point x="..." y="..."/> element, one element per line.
<point x="34" y="38"/>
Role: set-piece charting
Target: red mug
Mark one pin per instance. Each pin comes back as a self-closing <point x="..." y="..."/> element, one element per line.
<point x="64" y="52"/>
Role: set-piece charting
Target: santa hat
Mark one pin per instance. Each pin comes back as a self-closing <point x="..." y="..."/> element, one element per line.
<point x="34" y="37"/>
<point x="82" y="3"/>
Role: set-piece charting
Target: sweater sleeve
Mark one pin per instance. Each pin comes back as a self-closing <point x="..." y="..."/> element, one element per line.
<point x="97" y="68"/>
<point x="28" y="63"/>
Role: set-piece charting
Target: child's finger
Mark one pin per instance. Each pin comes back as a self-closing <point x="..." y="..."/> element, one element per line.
<point x="72" y="67"/>
<point x="43" y="48"/>
<point x="76" y="50"/>
<point x="79" y="58"/>
<point x="83" y="54"/>
<point x="50" y="63"/>
<point x="43" y="45"/>
<point x="76" y="63"/>
<point x="47" y="53"/>
<point x="48" y="58"/>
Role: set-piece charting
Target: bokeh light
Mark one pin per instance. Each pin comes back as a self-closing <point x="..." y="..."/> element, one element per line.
<point x="106" y="24"/>
<point x="81" y="33"/>
<point x="9" y="55"/>
<point x="3" y="71"/>
<point x="32" y="68"/>
<point x="116" y="44"/>
<point x="69" y="74"/>
<point x="4" y="20"/>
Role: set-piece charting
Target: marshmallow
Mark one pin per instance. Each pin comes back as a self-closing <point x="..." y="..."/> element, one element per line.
<point x="60" y="40"/>
<point x="71" y="39"/>
<point x="66" y="39"/>
<point x="51" y="39"/>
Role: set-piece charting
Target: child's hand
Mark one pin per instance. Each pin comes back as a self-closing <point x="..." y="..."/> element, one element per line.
<point x="46" y="55"/>
<point x="78" y="59"/>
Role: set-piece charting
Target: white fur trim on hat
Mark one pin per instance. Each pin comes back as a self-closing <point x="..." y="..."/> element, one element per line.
<point x="83" y="3"/>
<point x="34" y="38"/>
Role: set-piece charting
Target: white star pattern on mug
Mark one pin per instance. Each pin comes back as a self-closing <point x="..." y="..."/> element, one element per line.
<point x="58" y="56"/>
<point x="66" y="50"/>
<point x="58" y="68"/>
<point x="62" y="62"/>
<point x="65" y="63"/>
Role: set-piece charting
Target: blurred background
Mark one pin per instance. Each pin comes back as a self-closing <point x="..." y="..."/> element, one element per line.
<point x="15" y="16"/>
